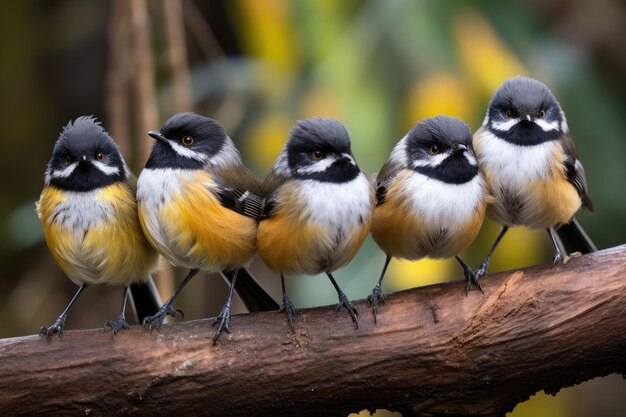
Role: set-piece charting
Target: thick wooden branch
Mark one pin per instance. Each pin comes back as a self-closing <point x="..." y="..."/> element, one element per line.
<point x="434" y="351"/>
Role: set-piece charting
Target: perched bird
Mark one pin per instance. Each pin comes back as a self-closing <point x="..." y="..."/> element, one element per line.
<point x="531" y="165"/>
<point x="318" y="207"/>
<point x="198" y="205"/>
<point x="431" y="197"/>
<point x="89" y="217"/>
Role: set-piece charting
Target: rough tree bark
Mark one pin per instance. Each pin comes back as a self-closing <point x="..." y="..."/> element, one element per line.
<point x="435" y="351"/>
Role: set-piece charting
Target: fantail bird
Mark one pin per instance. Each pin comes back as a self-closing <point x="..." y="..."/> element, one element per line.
<point x="89" y="216"/>
<point x="531" y="164"/>
<point x="317" y="209"/>
<point x="431" y="197"/>
<point x="198" y="204"/>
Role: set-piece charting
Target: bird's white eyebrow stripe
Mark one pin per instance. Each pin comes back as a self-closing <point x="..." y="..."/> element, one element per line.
<point x="547" y="126"/>
<point x="188" y="153"/>
<point x="433" y="161"/>
<point x="504" y="126"/>
<point x="105" y="168"/>
<point x="319" y="166"/>
<point x="64" y="173"/>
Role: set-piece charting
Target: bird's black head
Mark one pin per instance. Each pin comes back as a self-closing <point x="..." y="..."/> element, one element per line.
<point x="523" y="111"/>
<point x="85" y="158"/>
<point x="319" y="149"/>
<point x="441" y="148"/>
<point x="190" y="141"/>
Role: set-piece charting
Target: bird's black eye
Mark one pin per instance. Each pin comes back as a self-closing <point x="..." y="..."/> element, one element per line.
<point x="100" y="156"/>
<point x="508" y="114"/>
<point x="67" y="160"/>
<point x="317" y="155"/>
<point x="433" y="149"/>
<point x="542" y="114"/>
<point x="187" y="140"/>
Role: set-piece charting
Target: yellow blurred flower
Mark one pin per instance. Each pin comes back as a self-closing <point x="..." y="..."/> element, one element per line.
<point x="438" y="93"/>
<point x="485" y="58"/>
<point x="408" y="274"/>
<point x="266" y="139"/>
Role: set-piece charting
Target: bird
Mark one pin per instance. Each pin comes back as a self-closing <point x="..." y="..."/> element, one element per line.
<point x="531" y="166"/>
<point x="317" y="207"/>
<point x="89" y="215"/>
<point x="431" y="197"/>
<point x="199" y="206"/>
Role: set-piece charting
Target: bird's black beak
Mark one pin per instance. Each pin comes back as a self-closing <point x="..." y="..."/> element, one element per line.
<point x="458" y="148"/>
<point x="155" y="134"/>
<point x="343" y="159"/>
<point x="83" y="160"/>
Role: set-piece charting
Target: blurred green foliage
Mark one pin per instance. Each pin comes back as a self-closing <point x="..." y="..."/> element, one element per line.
<point x="378" y="66"/>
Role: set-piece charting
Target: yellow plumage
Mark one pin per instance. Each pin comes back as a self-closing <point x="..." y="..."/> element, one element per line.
<point x="291" y="243"/>
<point x="111" y="251"/>
<point x="400" y="232"/>
<point x="196" y="231"/>
<point x="540" y="203"/>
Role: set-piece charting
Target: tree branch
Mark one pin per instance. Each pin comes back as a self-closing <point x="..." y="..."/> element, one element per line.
<point x="435" y="351"/>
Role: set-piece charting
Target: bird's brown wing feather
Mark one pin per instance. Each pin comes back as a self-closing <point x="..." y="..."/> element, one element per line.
<point x="270" y="185"/>
<point x="384" y="177"/>
<point x="238" y="189"/>
<point x="575" y="172"/>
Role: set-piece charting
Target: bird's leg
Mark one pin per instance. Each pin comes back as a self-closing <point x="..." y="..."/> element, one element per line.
<point x="483" y="267"/>
<point x="287" y="306"/>
<point x="377" y="294"/>
<point x="558" y="257"/>
<point x="344" y="302"/>
<point x="59" y="325"/>
<point x="120" y="323"/>
<point x="470" y="277"/>
<point x="156" y="321"/>
<point x="224" y="317"/>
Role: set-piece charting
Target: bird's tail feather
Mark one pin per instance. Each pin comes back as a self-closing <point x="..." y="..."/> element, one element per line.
<point x="145" y="299"/>
<point x="573" y="238"/>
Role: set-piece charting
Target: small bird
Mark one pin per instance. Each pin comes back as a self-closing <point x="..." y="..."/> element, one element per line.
<point x="531" y="165"/>
<point x="431" y="197"/>
<point x="89" y="217"/>
<point x="199" y="205"/>
<point x="317" y="209"/>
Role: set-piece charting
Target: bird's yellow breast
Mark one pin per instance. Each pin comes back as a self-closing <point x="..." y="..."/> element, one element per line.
<point x="194" y="230"/>
<point x="537" y="201"/>
<point x="291" y="242"/>
<point x="95" y="236"/>
<point x="402" y="230"/>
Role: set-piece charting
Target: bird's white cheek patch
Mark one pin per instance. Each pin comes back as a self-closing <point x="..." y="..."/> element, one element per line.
<point x="471" y="159"/>
<point x="398" y="154"/>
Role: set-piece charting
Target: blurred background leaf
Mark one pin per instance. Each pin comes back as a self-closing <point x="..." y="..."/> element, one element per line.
<point x="258" y="66"/>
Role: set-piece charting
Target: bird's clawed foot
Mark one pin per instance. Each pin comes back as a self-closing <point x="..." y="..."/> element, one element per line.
<point x="472" y="278"/>
<point x="155" y="322"/>
<point x="558" y="257"/>
<point x="116" y="326"/>
<point x="482" y="271"/>
<point x="354" y="313"/>
<point x="57" y="327"/>
<point x="290" y="310"/>
<point x="224" y="320"/>
<point x="374" y="298"/>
